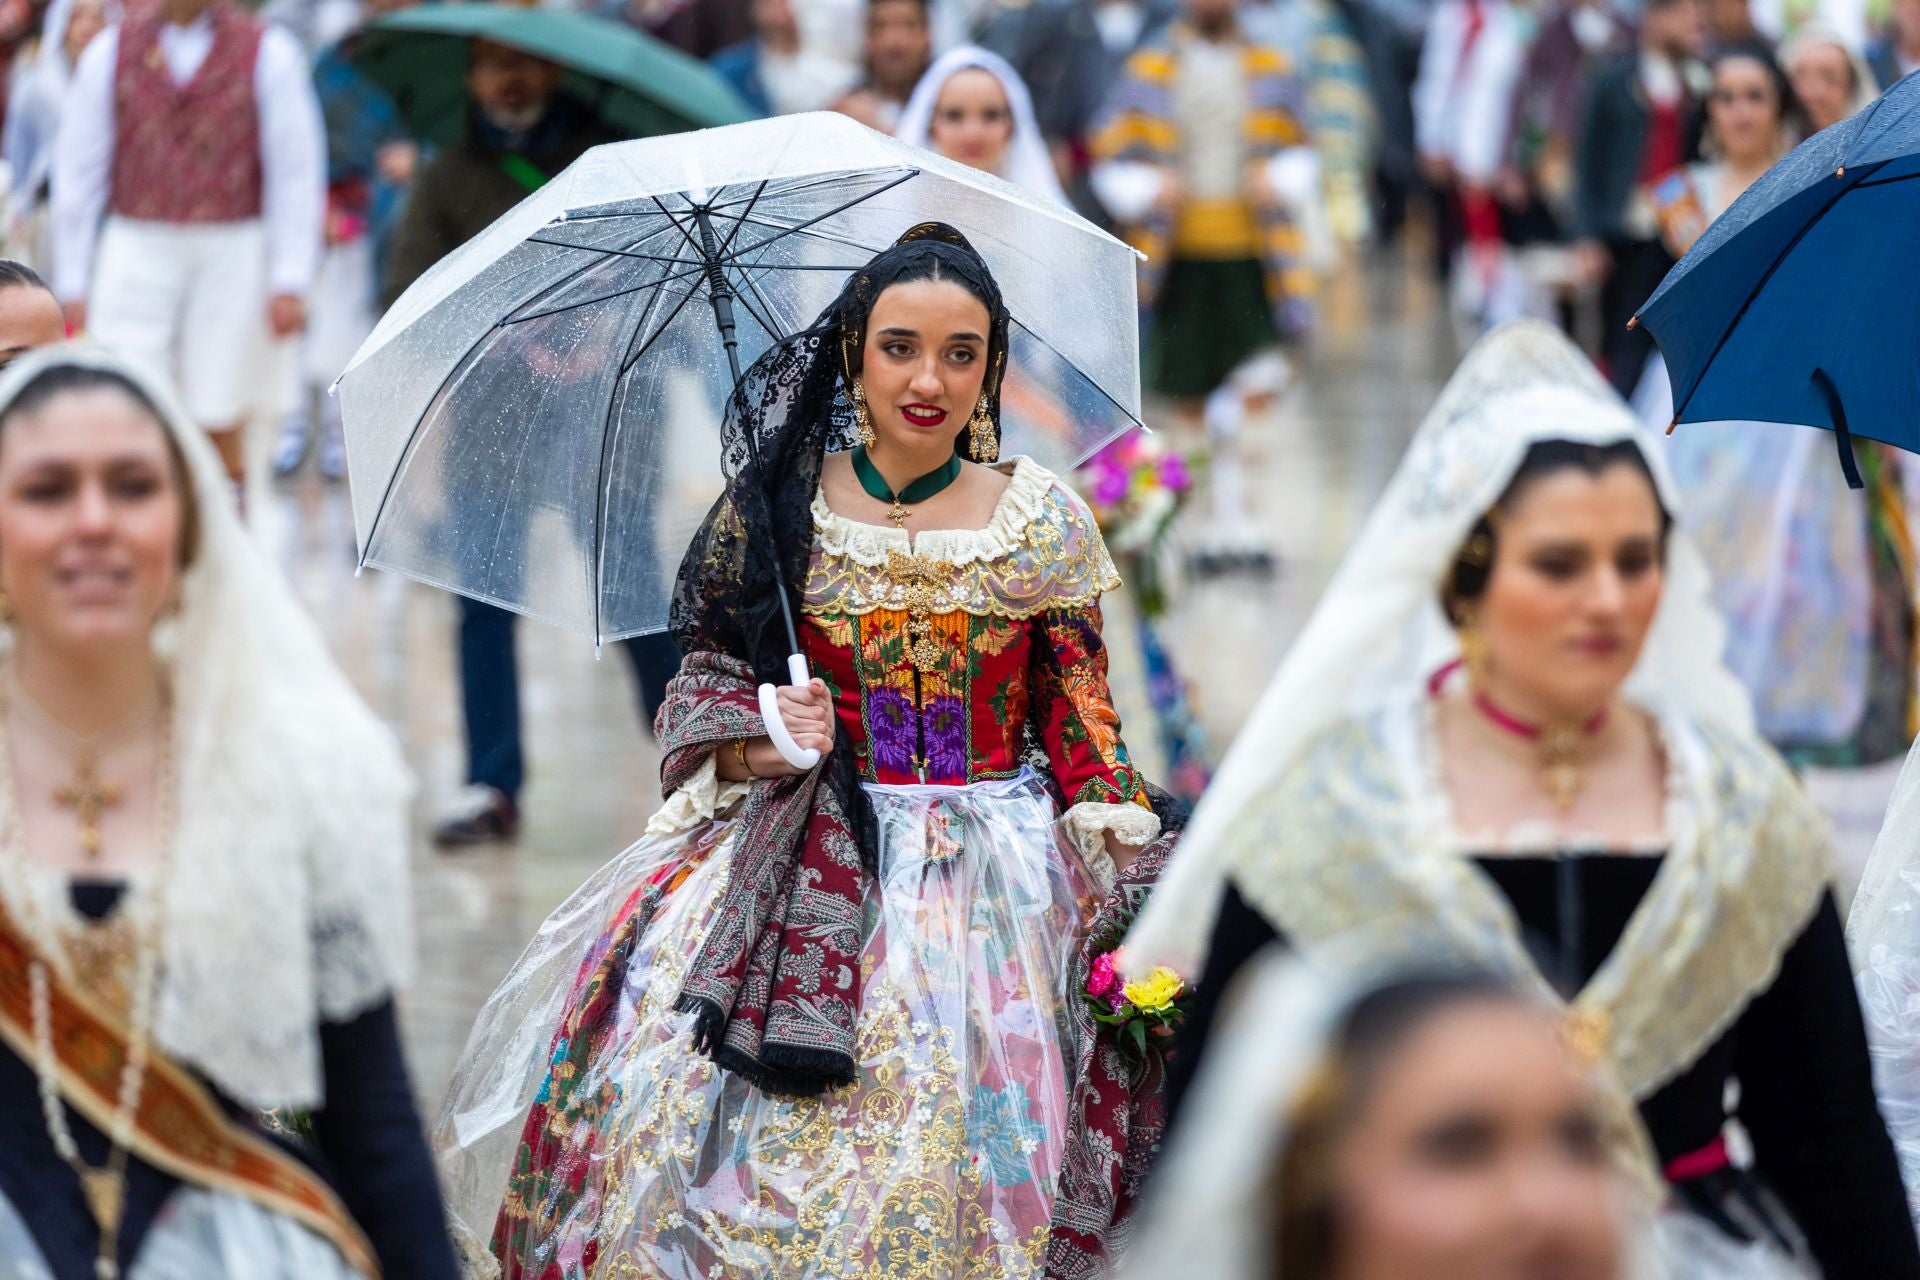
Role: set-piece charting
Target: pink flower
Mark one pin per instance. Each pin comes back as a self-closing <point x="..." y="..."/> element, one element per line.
<point x="1116" y="999"/>
<point x="1174" y="474"/>
<point x="1102" y="980"/>
<point x="1110" y="488"/>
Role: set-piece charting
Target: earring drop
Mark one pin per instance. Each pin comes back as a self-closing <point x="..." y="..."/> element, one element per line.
<point x="981" y="434"/>
<point x="862" y="417"/>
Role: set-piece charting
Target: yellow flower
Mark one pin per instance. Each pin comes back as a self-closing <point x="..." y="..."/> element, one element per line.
<point x="1157" y="991"/>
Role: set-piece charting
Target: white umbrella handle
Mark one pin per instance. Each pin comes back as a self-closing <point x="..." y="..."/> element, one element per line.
<point x="790" y="751"/>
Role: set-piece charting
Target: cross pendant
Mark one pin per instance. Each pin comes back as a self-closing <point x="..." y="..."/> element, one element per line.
<point x="89" y="799"/>
<point x="898" y="515"/>
<point x="105" y="1193"/>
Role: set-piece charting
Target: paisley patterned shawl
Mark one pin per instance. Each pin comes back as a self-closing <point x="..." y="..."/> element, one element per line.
<point x="1117" y="1115"/>
<point x="776" y="984"/>
<point x="1355" y="838"/>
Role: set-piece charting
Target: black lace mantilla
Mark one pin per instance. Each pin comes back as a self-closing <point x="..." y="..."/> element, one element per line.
<point x="790" y="409"/>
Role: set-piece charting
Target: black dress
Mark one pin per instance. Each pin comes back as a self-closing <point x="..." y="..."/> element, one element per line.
<point x="368" y="1144"/>
<point x="1799" y="1052"/>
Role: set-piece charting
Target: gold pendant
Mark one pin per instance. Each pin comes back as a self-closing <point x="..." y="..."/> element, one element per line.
<point x="105" y="1190"/>
<point x="1587" y="1032"/>
<point x="898" y="515"/>
<point x="1560" y="764"/>
<point x="1562" y="779"/>
<point x="921" y="579"/>
<point x="89" y="799"/>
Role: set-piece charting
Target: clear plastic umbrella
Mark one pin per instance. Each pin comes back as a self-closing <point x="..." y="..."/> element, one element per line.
<point x="536" y="422"/>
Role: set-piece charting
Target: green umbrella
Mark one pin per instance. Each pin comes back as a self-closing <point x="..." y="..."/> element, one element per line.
<point x="635" y="84"/>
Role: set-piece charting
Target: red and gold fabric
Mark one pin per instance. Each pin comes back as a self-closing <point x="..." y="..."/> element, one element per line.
<point x="948" y="652"/>
<point x="179" y="1128"/>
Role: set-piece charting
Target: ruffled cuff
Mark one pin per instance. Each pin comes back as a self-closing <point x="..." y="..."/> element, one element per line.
<point x="701" y="798"/>
<point x="1089" y="824"/>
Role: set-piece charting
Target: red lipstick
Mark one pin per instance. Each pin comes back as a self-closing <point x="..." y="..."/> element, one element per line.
<point x="923" y="415"/>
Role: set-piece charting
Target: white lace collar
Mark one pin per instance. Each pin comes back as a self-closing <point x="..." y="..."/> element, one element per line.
<point x="868" y="544"/>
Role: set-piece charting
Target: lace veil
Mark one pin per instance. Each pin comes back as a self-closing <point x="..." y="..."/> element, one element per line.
<point x="287" y="901"/>
<point x="795" y="404"/>
<point x="1379" y="632"/>
<point x="1211" y="1208"/>
<point x="1883" y="934"/>
<point x="1028" y="163"/>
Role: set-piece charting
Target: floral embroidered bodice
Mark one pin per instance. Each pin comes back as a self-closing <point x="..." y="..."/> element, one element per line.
<point x="943" y="648"/>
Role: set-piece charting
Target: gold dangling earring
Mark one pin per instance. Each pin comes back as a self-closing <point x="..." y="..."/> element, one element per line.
<point x="981" y="435"/>
<point x="1473" y="648"/>
<point x="862" y="418"/>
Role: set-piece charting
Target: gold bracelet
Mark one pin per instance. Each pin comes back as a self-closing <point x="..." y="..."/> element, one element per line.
<point x="740" y="754"/>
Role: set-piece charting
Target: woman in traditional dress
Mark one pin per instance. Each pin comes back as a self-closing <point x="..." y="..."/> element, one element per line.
<point x="826" y="1022"/>
<point x="1813" y="578"/>
<point x="972" y="106"/>
<point x="1427" y="1123"/>
<point x="1505" y="735"/>
<point x="1830" y="78"/>
<point x="203" y="897"/>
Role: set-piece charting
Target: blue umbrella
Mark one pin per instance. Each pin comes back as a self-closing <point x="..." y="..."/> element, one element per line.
<point x="1799" y="303"/>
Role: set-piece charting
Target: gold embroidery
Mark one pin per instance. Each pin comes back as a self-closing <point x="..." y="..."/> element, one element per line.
<point x="1058" y="562"/>
<point x="918" y="579"/>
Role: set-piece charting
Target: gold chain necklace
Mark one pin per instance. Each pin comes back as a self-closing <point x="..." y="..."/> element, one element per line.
<point x="87" y="795"/>
<point x="105" y="1187"/>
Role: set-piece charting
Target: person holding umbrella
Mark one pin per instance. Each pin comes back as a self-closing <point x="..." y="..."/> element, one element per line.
<point x="815" y="1022"/>
<point x="523" y="129"/>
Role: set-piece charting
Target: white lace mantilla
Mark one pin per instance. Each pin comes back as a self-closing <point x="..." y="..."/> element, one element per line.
<point x="287" y="902"/>
<point x="1353" y="842"/>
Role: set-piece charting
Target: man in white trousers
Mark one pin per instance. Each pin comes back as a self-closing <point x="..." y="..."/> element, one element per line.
<point x="189" y="183"/>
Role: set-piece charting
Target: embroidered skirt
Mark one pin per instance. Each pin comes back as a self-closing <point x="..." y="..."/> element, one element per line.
<point x="643" y="1159"/>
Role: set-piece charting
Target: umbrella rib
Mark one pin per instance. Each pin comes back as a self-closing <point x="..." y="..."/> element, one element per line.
<point x="803" y="184"/>
<point x="659" y="283"/>
<point x="766" y="320"/>
<point x="726" y="245"/>
<point x="698" y="267"/>
<point x="1885" y="182"/>
<point x="811" y="233"/>
<point x="905" y="176"/>
<point x="600" y="501"/>
<point x="413" y="433"/>
<point x="625" y="253"/>
<point x="1681" y="407"/>
<point x="634" y="359"/>
<point x="1873" y="109"/>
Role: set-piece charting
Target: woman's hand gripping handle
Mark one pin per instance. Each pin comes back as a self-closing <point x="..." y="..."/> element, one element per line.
<point x="799" y="718"/>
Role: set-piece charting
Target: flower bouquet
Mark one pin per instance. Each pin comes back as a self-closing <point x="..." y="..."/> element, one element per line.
<point x="1141" y="1012"/>
<point x="1135" y="486"/>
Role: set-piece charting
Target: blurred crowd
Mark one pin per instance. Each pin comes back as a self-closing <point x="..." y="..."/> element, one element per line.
<point x="1560" y="155"/>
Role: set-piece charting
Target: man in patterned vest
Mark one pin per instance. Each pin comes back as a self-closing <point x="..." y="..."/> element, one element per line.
<point x="188" y="190"/>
